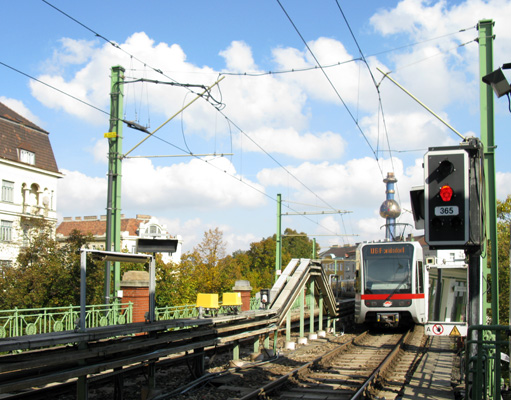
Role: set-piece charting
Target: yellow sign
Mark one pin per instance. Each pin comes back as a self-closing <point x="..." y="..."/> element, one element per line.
<point x="110" y="135"/>
<point x="455" y="332"/>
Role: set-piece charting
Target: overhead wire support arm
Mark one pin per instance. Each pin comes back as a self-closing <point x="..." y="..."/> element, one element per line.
<point x="150" y="134"/>
<point x="386" y="75"/>
<point x="318" y="212"/>
<point x="185" y="155"/>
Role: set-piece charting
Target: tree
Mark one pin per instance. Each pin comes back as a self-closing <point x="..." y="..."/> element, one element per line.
<point x="262" y="262"/>
<point x="503" y="233"/>
<point x="47" y="274"/>
<point x="205" y="269"/>
<point x="298" y="245"/>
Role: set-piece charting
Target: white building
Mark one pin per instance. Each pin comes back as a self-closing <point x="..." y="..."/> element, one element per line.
<point x="28" y="174"/>
<point x="131" y="229"/>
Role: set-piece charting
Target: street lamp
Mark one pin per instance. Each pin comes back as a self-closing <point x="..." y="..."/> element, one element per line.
<point x="498" y="81"/>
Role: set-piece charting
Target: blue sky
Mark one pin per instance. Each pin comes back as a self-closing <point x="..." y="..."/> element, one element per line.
<point x="320" y="137"/>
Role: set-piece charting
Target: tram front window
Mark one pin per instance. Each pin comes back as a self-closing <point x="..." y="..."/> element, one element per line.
<point x="387" y="275"/>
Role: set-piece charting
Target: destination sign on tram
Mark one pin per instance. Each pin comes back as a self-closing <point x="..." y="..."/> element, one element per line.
<point x="445" y="211"/>
<point x="386" y="250"/>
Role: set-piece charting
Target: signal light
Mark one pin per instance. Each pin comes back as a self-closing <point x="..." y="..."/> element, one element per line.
<point x="446" y="193"/>
<point x="446" y="197"/>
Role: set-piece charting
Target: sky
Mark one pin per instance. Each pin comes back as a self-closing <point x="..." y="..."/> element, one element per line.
<point x="301" y="109"/>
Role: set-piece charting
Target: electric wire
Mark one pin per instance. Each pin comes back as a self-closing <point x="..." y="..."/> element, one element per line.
<point x="161" y="139"/>
<point x="161" y="72"/>
<point x="184" y="85"/>
<point x="328" y="79"/>
<point x="117" y="46"/>
<point x="435" y="55"/>
<point x="380" y="103"/>
<point x="169" y="143"/>
<point x="287" y="71"/>
<point x="422" y="42"/>
<point x="54" y="88"/>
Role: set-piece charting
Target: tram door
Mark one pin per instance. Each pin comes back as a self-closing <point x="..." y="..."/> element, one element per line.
<point x="447" y="296"/>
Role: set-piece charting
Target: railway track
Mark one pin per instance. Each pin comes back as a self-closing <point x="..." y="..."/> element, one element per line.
<point x="346" y="366"/>
<point x="365" y="366"/>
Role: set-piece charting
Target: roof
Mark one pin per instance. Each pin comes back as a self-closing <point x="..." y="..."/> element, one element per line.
<point x="349" y="251"/>
<point x="97" y="227"/>
<point x="339" y="252"/>
<point x="17" y="132"/>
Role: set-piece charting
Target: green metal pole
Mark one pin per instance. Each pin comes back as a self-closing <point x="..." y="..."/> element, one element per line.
<point x="486" y="37"/>
<point x="278" y="251"/>
<point x="288" y="326"/>
<point x="311" y="306"/>
<point x="485" y="28"/>
<point x="302" y="312"/>
<point x="115" y="172"/>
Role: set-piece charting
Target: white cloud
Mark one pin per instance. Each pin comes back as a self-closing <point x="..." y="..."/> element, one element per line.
<point x="238" y="57"/>
<point x="99" y="151"/>
<point x="197" y="184"/>
<point x="79" y="194"/>
<point x="356" y="184"/>
<point x="349" y="83"/>
<point x="325" y="145"/>
<point x="408" y="131"/>
<point x="503" y="185"/>
<point x="450" y="68"/>
<point x="73" y="52"/>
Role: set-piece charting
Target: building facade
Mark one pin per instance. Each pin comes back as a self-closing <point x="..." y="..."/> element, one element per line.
<point x="29" y="175"/>
<point x="131" y="229"/>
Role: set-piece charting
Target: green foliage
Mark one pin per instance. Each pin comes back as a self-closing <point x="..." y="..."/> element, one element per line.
<point x="503" y="232"/>
<point x="298" y="245"/>
<point x="47" y="274"/>
<point x="205" y="269"/>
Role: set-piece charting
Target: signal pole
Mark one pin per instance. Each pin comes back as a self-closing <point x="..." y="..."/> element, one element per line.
<point x="113" y="208"/>
<point x="278" y="250"/>
<point x="485" y="28"/>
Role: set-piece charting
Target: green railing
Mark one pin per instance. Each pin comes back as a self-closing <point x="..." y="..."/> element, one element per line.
<point x="191" y="311"/>
<point x="175" y="312"/>
<point x="483" y="372"/>
<point x="20" y="322"/>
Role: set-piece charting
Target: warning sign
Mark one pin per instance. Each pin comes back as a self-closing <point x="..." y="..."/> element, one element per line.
<point x="455" y="331"/>
<point x="446" y="329"/>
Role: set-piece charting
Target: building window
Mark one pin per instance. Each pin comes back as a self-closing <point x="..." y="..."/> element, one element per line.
<point x="27" y="157"/>
<point x="153" y="230"/>
<point x="6" y="231"/>
<point x="7" y="191"/>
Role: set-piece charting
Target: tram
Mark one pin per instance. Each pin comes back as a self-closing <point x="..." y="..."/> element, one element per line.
<point x="389" y="286"/>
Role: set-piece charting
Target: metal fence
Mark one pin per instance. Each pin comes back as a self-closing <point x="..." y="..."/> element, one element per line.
<point x="20" y="322"/>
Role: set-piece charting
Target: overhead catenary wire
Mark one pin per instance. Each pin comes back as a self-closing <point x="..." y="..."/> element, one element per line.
<point x="117" y="46"/>
<point x="133" y="57"/>
<point x="328" y="79"/>
<point x="380" y="103"/>
<point x="140" y="128"/>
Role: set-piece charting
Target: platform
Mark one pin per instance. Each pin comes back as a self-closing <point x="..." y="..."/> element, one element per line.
<point x="432" y="378"/>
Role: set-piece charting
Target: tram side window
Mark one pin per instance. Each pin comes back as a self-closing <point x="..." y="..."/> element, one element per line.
<point x="420" y="277"/>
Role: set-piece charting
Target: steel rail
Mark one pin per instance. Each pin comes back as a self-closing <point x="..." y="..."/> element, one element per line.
<point x="382" y="367"/>
<point x="272" y="386"/>
<point x="266" y="389"/>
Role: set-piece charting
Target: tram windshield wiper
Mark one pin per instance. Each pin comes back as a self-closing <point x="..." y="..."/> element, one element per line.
<point x="400" y="284"/>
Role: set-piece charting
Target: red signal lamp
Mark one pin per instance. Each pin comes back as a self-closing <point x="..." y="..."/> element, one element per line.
<point x="446" y="193"/>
